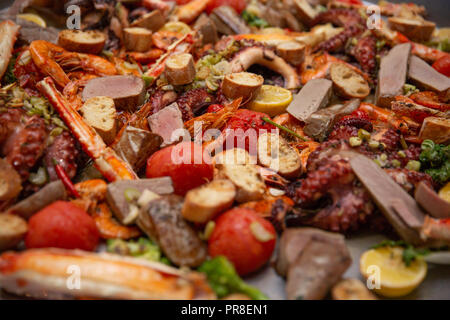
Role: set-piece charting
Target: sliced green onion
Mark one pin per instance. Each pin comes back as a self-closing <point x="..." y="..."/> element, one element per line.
<point x="396" y="163"/>
<point x="355" y="141"/>
<point x="209" y="229"/>
<point x="363" y="134"/>
<point x="374" y="144"/>
<point x="403" y="143"/>
<point x="148" y="80"/>
<point x="401" y="154"/>
<point x="413" y="165"/>
<point x="279" y="126"/>
<point x="39" y="178"/>
<point x="131" y="194"/>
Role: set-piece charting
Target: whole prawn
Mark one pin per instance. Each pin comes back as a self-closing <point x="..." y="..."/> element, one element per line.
<point x="50" y="59"/>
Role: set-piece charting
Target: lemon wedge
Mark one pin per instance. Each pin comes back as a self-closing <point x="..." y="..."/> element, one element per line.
<point x="272" y="100"/>
<point x="33" y="18"/>
<point x="444" y="193"/>
<point x="176" y="26"/>
<point x="386" y="265"/>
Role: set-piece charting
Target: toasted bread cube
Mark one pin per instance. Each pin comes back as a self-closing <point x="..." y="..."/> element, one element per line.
<point x="436" y="129"/>
<point x="205" y="202"/>
<point x="91" y="41"/>
<point x="12" y="230"/>
<point x="100" y="114"/>
<point x="275" y="153"/>
<point x="247" y="179"/>
<point x="348" y="83"/>
<point x="137" y="39"/>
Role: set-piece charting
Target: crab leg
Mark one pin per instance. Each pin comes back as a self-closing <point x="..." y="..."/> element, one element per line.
<point x="57" y="273"/>
<point x="105" y="159"/>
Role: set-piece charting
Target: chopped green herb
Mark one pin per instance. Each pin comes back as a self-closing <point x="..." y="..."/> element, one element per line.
<point x="410" y="253"/>
<point x="253" y="20"/>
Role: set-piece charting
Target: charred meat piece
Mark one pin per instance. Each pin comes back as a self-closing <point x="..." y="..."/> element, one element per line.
<point x="121" y="202"/>
<point x="52" y="192"/>
<point x="207" y="29"/>
<point x="128" y="92"/>
<point x="228" y="21"/>
<point x="136" y="145"/>
<point x="312" y="260"/>
<point x="397" y="205"/>
<point x="166" y="122"/>
<point x="312" y="97"/>
<point x="392" y="74"/>
<point x="162" y="221"/>
<point x="431" y="202"/>
<point x="320" y="123"/>
<point x="426" y="77"/>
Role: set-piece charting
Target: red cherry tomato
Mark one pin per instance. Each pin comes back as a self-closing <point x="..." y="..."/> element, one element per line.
<point x="244" y="237"/>
<point x="185" y="163"/>
<point x="181" y="2"/>
<point x="238" y="5"/>
<point x="357" y="2"/>
<point x="245" y="125"/>
<point x="442" y="65"/>
<point x="62" y="225"/>
<point x="214" y="108"/>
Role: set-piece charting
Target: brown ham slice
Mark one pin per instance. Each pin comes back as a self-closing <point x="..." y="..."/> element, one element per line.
<point x="313" y="96"/>
<point x="128" y="92"/>
<point x="313" y="261"/>
<point x="163" y="222"/>
<point x="392" y="74"/>
<point x="50" y="193"/>
<point x="431" y="202"/>
<point x="426" y="77"/>
<point x="320" y="123"/>
<point x="136" y="145"/>
<point x="167" y="123"/>
<point x="406" y="216"/>
<point x="122" y="207"/>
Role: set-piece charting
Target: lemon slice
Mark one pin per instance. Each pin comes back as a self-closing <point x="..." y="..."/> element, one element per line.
<point x="271" y="100"/>
<point x="395" y="278"/>
<point x="444" y="193"/>
<point x="176" y="26"/>
<point x="33" y="18"/>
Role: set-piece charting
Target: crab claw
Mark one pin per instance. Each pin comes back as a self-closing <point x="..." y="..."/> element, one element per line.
<point x="105" y="159"/>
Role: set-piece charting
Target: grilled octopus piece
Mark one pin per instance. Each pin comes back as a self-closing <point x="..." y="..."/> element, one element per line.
<point x="25" y="143"/>
<point x="24" y="140"/>
<point x="348" y="204"/>
<point x="350" y="19"/>
<point x="191" y="101"/>
<point x="337" y="43"/>
<point x="365" y="52"/>
<point x="64" y="152"/>
<point x="340" y="17"/>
